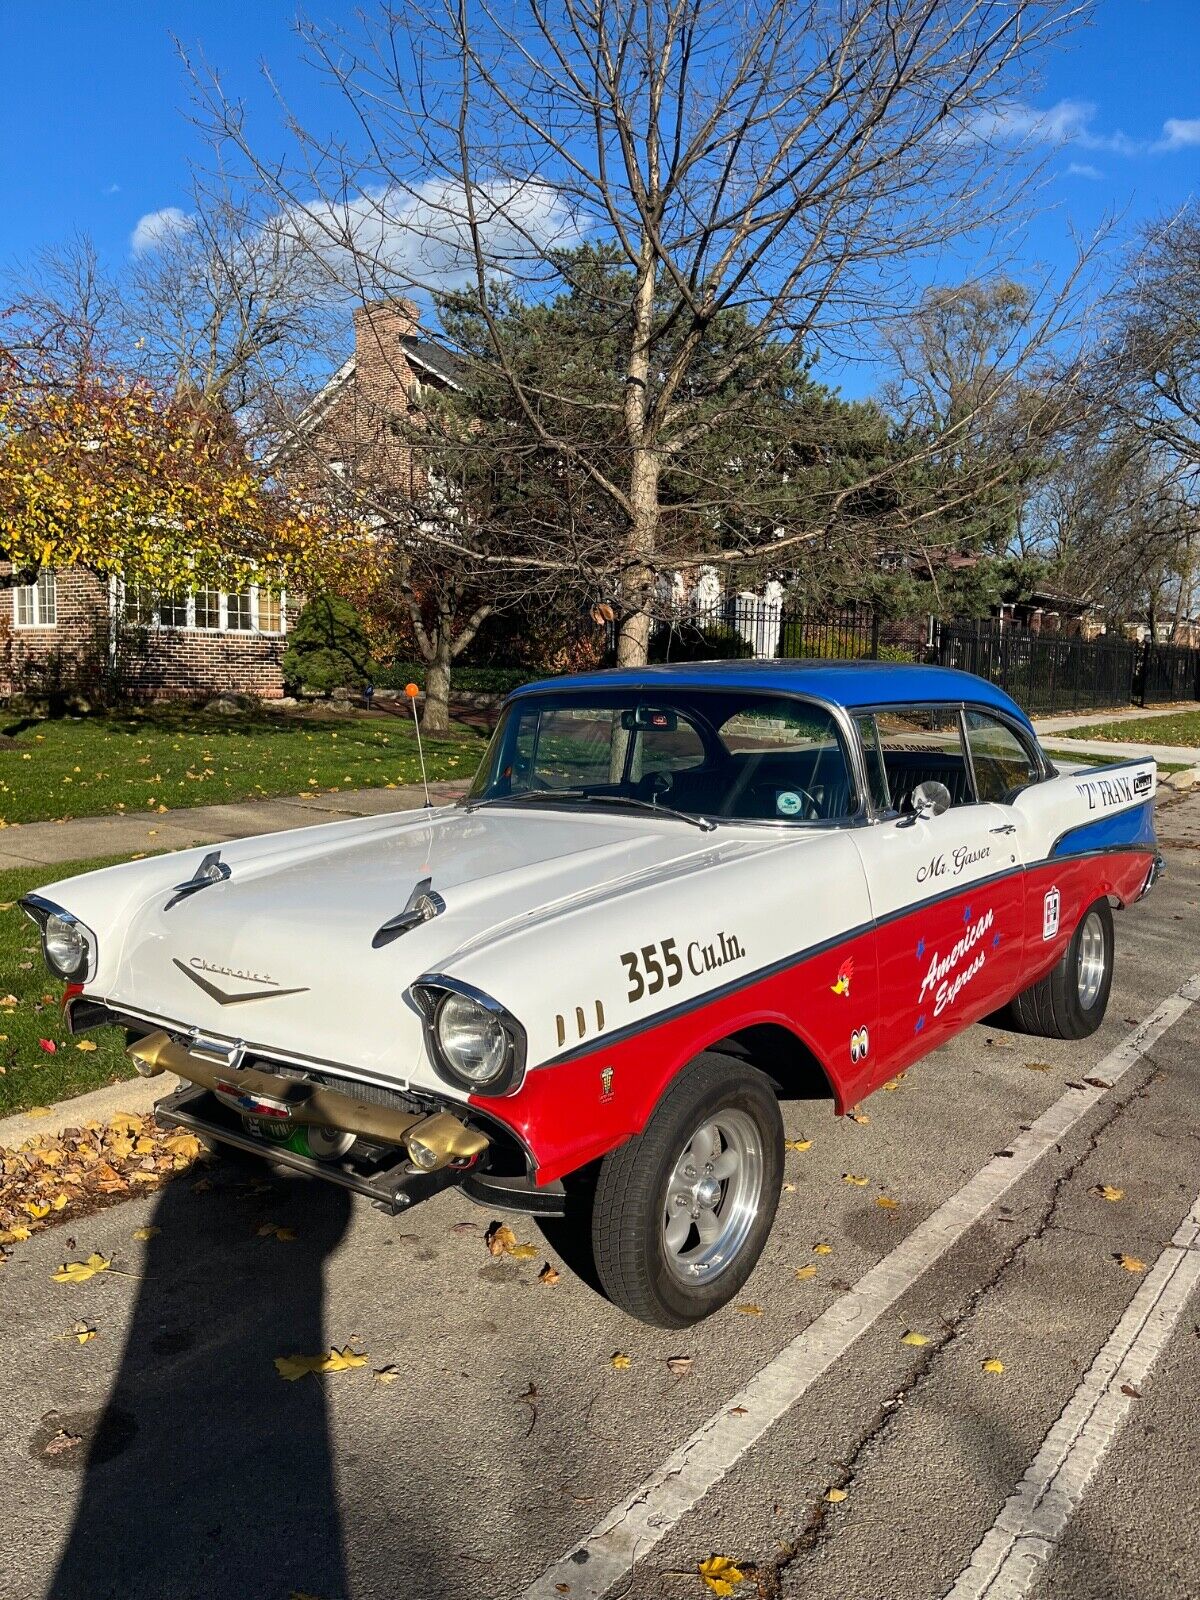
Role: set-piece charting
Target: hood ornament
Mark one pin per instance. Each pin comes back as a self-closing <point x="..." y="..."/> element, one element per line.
<point x="423" y="904"/>
<point x="211" y="870"/>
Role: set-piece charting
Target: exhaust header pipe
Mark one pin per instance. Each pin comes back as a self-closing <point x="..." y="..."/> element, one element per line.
<point x="432" y="1141"/>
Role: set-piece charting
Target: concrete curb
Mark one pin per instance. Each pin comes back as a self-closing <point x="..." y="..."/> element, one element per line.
<point x="98" y="1105"/>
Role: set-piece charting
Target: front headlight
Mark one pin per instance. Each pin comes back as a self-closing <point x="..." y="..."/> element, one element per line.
<point x="472" y="1039"/>
<point x="69" y="948"/>
<point x="474" y="1043"/>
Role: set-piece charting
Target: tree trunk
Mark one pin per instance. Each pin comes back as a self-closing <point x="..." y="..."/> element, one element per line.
<point x="436" y="716"/>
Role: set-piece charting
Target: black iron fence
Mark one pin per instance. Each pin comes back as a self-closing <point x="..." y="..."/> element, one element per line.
<point x="1046" y="673"/>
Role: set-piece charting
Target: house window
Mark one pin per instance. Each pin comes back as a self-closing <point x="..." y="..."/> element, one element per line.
<point x="208" y="608"/>
<point x="35" y="605"/>
<point x="244" y="611"/>
<point x="237" y="611"/>
<point x="270" y="612"/>
<point x="173" y="611"/>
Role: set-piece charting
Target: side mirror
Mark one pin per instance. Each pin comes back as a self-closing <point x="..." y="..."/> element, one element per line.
<point x="930" y="799"/>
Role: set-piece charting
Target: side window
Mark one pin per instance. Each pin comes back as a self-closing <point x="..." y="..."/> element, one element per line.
<point x="873" y="756"/>
<point x="923" y="746"/>
<point x="1003" y="766"/>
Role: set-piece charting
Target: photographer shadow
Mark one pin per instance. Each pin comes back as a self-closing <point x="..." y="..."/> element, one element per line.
<point x="208" y="1475"/>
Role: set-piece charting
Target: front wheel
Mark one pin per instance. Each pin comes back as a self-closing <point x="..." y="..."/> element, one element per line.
<point x="1070" y="1001"/>
<point x="681" y="1212"/>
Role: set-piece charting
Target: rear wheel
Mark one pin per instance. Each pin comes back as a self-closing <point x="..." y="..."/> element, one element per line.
<point x="681" y="1213"/>
<point x="1070" y="1001"/>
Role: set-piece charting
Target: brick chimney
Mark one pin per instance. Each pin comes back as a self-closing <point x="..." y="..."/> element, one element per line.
<point x="381" y="324"/>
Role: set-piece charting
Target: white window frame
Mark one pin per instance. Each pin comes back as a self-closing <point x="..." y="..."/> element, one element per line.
<point x="36" y="608"/>
<point x="252" y="632"/>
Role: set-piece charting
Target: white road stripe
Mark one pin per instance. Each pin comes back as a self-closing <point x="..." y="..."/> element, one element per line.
<point x="607" y="1554"/>
<point x="1009" y="1558"/>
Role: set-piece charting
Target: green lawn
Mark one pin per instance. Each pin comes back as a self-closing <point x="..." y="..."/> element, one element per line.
<point x="164" y="757"/>
<point x="1177" y="727"/>
<point x="30" y="1075"/>
<point x="1083" y="759"/>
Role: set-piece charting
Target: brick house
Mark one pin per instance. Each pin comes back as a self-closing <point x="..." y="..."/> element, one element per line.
<point x="71" y="628"/>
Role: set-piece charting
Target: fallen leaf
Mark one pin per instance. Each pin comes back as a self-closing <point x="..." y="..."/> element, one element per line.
<point x="16" y="1235"/>
<point x="797" y="1144"/>
<point x="851" y="1177"/>
<point x="48" y="1045"/>
<point x="1105" y="1191"/>
<point x="81" y="1271"/>
<point x="1132" y="1390"/>
<point x="523" y="1252"/>
<point x="679" y="1364"/>
<point x="82" y="1332"/>
<point x="835" y="1496"/>
<point x="145" y="1233"/>
<point x="36" y="1208"/>
<point x="620" y="1361"/>
<point x="86" y="1045"/>
<point x="499" y="1239"/>
<point x="892" y="1084"/>
<point x="885" y="1202"/>
<point x="913" y="1338"/>
<point x="721" y="1575"/>
<point x="1037" y="1066"/>
<point x="549" y="1274"/>
<point x="387" y="1374"/>
<point x="183" y="1146"/>
<point x="789" y="1188"/>
<point x="804" y="1273"/>
<point x="59" y="1203"/>
<point x="992" y="1365"/>
<point x="273" y="1230"/>
<point x="293" y="1367"/>
<point x="822" y="1249"/>
<point x="749" y="1310"/>
<point x="1131" y="1263"/>
<point x="860" y="1117"/>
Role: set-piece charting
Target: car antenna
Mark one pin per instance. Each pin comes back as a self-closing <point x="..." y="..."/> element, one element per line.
<point x="412" y="691"/>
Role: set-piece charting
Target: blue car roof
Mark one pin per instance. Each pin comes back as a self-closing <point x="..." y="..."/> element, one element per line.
<point x="842" y="683"/>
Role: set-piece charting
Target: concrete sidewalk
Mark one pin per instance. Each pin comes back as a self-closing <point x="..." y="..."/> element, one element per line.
<point x="85" y="838"/>
<point x="1088" y="719"/>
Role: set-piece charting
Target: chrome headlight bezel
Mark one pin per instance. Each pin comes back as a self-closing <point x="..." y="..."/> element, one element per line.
<point x="46" y="914"/>
<point x="431" y="993"/>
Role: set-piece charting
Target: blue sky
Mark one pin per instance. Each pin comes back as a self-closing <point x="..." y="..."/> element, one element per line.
<point x="95" y="134"/>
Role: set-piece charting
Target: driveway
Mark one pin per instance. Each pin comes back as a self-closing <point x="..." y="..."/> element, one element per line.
<point x="1039" y="1435"/>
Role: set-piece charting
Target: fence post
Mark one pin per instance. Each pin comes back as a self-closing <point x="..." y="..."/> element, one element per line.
<point x="1147" y="658"/>
<point x="874" y="634"/>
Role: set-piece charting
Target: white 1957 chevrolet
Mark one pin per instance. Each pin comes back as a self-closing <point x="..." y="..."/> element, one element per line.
<point x="673" y="897"/>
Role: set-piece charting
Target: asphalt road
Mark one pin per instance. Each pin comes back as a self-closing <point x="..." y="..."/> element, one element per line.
<point x="166" y="1458"/>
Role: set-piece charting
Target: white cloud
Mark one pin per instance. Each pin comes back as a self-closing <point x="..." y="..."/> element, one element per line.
<point x="1072" y="122"/>
<point x="156" y="227"/>
<point x="421" y="238"/>
<point x="1083" y="169"/>
<point x="1179" y="133"/>
<point x="112" y="188"/>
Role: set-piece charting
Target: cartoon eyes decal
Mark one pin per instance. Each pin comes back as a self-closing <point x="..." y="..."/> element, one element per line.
<point x="860" y="1044"/>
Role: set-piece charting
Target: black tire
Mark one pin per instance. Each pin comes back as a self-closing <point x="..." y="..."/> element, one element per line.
<point x="1055" y="1007"/>
<point x="636" y="1269"/>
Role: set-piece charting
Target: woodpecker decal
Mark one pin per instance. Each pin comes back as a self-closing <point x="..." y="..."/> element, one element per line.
<point x="845" y="973"/>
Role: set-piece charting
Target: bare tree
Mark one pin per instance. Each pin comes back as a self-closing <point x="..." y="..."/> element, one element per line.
<point x="64" y="319"/>
<point x="788" y="158"/>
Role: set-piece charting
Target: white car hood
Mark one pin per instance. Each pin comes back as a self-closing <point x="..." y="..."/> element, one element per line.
<point x="280" y="955"/>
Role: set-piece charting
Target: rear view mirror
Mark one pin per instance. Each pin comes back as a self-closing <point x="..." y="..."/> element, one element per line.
<point x="930" y="799"/>
<point x="656" y="717"/>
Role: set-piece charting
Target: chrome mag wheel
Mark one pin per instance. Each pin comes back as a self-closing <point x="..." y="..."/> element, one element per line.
<point x="1089" y="976"/>
<point x="713" y="1196"/>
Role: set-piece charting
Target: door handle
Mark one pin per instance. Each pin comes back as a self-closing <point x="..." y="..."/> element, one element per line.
<point x="1005" y="827"/>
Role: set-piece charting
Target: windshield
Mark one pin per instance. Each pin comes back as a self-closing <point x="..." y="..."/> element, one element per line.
<point x="713" y="754"/>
